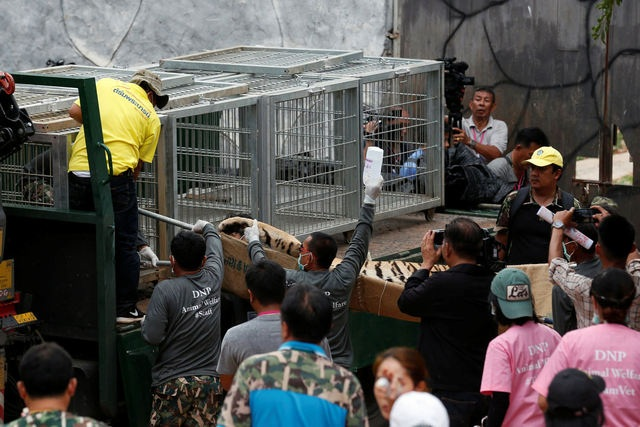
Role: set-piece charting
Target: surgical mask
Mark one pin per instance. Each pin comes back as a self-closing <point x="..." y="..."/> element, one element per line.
<point x="595" y="319"/>
<point x="565" y="252"/>
<point x="301" y="266"/>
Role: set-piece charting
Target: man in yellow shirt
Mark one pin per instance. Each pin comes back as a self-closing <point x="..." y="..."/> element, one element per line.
<point x="130" y="129"/>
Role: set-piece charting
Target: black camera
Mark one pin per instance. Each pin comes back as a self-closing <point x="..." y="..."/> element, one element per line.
<point x="454" y="82"/>
<point x="584" y="215"/>
<point x="438" y="237"/>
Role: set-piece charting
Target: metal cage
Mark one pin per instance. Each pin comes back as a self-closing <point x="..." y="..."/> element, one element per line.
<point x="404" y="97"/>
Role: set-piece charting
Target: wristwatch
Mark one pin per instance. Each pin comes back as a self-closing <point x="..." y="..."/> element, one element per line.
<point x="472" y="144"/>
<point x="557" y="224"/>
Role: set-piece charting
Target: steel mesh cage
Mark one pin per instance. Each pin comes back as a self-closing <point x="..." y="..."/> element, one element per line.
<point x="404" y="97"/>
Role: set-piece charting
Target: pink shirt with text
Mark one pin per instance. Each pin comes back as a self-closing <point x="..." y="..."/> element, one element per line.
<point x="513" y="361"/>
<point x="610" y="351"/>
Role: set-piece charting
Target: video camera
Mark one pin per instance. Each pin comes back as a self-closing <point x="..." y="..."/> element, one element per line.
<point x="490" y="249"/>
<point x="454" y="82"/>
<point x="15" y="125"/>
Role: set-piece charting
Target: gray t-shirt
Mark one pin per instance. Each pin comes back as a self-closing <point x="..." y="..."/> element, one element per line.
<point x="183" y="318"/>
<point x="257" y="336"/>
<point x="503" y="169"/>
<point x="337" y="284"/>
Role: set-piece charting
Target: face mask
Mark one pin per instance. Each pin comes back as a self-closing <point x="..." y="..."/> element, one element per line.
<point x="566" y="253"/>
<point x="301" y="266"/>
<point x="595" y="319"/>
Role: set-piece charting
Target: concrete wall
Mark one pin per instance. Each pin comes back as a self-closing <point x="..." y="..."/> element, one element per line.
<point x="542" y="61"/>
<point x="129" y="33"/>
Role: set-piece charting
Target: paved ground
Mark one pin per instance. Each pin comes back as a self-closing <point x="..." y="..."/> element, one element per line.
<point x="404" y="233"/>
<point x="588" y="168"/>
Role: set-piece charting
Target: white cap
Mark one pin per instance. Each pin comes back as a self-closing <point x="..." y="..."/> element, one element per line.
<point x="418" y="408"/>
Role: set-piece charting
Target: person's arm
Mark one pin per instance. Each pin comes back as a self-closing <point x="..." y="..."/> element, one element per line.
<point x="497" y="409"/>
<point x="154" y="325"/>
<point x="412" y="300"/>
<point x="489" y="152"/>
<point x="75" y="112"/>
<point x="557" y="234"/>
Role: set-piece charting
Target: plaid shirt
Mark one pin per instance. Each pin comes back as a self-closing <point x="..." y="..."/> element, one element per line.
<point x="578" y="287"/>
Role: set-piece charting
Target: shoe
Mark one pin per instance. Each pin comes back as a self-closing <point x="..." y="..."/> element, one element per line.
<point x="129" y="316"/>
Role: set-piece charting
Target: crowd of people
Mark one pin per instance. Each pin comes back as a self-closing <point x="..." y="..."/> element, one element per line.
<point x="482" y="358"/>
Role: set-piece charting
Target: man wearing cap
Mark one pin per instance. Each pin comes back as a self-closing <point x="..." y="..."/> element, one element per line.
<point x="523" y="234"/>
<point x="130" y="129"/>
<point x="608" y="349"/>
<point x="574" y="400"/>
<point x="516" y="356"/>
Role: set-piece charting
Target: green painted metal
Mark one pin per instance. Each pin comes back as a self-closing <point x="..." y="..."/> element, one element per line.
<point x="104" y="221"/>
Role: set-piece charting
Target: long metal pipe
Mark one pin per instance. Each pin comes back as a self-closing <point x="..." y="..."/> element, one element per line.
<point x="166" y="219"/>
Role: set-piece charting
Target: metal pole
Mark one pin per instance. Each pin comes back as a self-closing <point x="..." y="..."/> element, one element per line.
<point x="165" y="219"/>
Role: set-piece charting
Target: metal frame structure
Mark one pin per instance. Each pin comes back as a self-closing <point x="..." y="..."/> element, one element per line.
<point x="261" y="60"/>
<point x="413" y="163"/>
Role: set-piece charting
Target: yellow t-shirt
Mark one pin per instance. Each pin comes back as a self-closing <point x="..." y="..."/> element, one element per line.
<point x="130" y="127"/>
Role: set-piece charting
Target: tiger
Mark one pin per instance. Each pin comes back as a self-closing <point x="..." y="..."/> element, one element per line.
<point x="394" y="271"/>
<point x="270" y="236"/>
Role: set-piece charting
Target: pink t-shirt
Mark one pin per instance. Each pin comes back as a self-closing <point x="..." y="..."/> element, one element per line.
<point x="513" y="361"/>
<point x="610" y="351"/>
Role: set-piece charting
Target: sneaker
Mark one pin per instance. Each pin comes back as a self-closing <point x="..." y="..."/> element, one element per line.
<point x="129" y="316"/>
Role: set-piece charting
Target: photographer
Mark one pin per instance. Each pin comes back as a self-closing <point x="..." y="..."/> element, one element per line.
<point x="455" y="318"/>
<point x="481" y="132"/>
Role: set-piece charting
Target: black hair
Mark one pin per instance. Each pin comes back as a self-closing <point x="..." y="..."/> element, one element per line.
<point x="485" y="89"/>
<point x="45" y="370"/>
<point x="465" y="237"/>
<point x="614" y="290"/>
<point x="267" y="281"/>
<point x="504" y="320"/>
<point x="307" y="312"/>
<point x="527" y="136"/>
<point x="188" y="249"/>
<point x="324" y="248"/>
<point x="616" y="236"/>
<point x="590" y="230"/>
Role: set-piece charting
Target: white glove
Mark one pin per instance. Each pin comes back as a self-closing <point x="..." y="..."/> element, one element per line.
<point x="372" y="190"/>
<point x="199" y="227"/>
<point x="252" y="234"/>
<point x="149" y="255"/>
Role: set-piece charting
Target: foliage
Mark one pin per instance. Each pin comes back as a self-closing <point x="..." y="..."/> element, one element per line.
<point x="600" y="30"/>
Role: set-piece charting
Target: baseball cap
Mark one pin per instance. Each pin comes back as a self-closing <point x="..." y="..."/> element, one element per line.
<point x="418" y="408"/>
<point x="513" y="289"/>
<point x="604" y="202"/>
<point x="574" y="394"/>
<point x="545" y="156"/>
<point x="155" y="84"/>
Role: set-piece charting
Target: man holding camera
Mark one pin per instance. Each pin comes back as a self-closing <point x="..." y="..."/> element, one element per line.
<point x="524" y="236"/>
<point x="481" y="132"/>
<point x="616" y="248"/>
<point x="456" y="323"/>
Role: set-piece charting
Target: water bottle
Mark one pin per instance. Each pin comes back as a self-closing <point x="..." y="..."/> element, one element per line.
<point x="372" y="164"/>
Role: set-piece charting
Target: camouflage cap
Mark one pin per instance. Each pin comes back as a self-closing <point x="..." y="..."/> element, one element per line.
<point x="155" y="84"/>
<point x="604" y="202"/>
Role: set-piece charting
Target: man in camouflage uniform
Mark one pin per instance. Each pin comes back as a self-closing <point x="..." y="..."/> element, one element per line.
<point x="46" y="385"/>
<point x="296" y="383"/>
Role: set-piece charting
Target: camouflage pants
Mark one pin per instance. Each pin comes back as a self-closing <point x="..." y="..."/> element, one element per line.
<point x="186" y="401"/>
